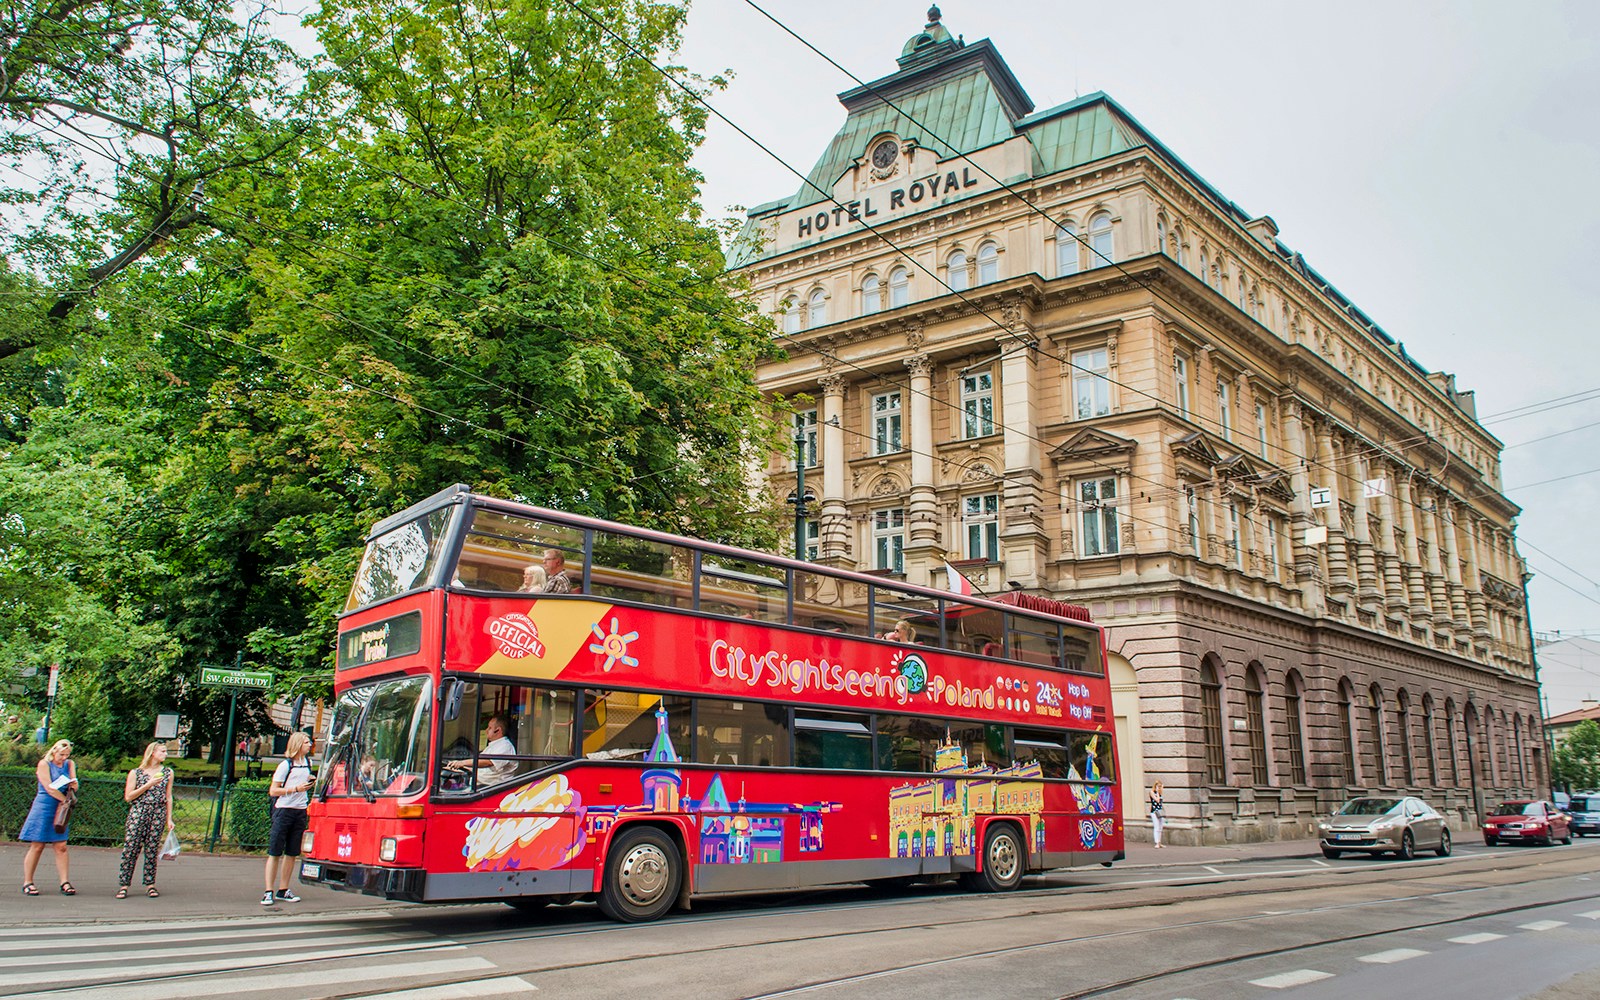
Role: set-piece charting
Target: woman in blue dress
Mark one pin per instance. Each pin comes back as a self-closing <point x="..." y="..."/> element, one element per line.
<point x="39" y="828"/>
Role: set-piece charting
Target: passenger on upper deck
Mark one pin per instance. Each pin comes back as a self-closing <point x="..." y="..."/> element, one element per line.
<point x="533" y="579"/>
<point x="555" y="567"/>
<point x="903" y="631"/>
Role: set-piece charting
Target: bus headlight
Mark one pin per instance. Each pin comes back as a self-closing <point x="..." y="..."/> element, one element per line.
<point x="306" y="840"/>
<point x="386" y="849"/>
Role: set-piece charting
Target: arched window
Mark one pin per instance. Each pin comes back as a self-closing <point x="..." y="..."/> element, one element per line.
<point x="1066" y="250"/>
<point x="1491" y="761"/>
<point x="1181" y="247"/>
<point x="956" y="268"/>
<point x="899" y="287"/>
<point x="1294" y="729"/>
<point x="1256" y="724"/>
<point x="1102" y="245"/>
<point x="1241" y="286"/>
<point x="1380" y="752"/>
<point x="1347" y="730"/>
<point x="1516" y="749"/>
<point x="791" y="316"/>
<point x="988" y="263"/>
<point x="1451" y="746"/>
<point x="871" y="295"/>
<point x="1161" y="234"/>
<point x="817" y="309"/>
<point x="1403" y="716"/>
<point x="1205" y="266"/>
<point x="1211" y="723"/>
<point x="1429" y="755"/>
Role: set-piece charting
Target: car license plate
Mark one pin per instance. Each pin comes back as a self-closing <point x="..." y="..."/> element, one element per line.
<point x="309" y="870"/>
<point x="1351" y="836"/>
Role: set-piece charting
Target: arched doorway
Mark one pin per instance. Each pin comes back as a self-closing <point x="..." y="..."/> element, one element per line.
<point x="1130" y="734"/>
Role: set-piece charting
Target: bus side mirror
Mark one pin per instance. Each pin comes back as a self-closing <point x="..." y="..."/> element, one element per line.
<point x="454" y="692"/>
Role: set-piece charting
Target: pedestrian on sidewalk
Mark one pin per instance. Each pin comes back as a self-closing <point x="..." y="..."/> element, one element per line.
<point x="58" y="782"/>
<point x="291" y="783"/>
<point x="1158" y="816"/>
<point x="148" y="792"/>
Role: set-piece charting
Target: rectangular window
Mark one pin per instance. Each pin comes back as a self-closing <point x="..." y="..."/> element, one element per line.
<point x="885" y="423"/>
<point x="1091" y="383"/>
<point x="832" y="739"/>
<point x="813" y="546"/>
<point x="805" y="425"/>
<point x="1180" y="375"/>
<point x="623" y="723"/>
<point x="1097" y="499"/>
<point x="889" y="539"/>
<point x="1211" y="728"/>
<point x="635" y="569"/>
<point x="977" y="405"/>
<point x="1091" y="756"/>
<point x="908" y="743"/>
<point x="1272" y="546"/>
<point x="494" y="733"/>
<point x="1261" y="428"/>
<point x="740" y="733"/>
<point x="1225" y="409"/>
<point x="1256" y="725"/>
<point x="980" y="516"/>
<point x="1045" y="747"/>
<point x="743" y="588"/>
<point x="1235" y="543"/>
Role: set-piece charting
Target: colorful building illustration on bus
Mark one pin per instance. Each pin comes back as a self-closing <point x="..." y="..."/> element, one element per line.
<point x="935" y="818"/>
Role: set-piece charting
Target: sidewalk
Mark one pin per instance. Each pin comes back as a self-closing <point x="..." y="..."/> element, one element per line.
<point x="194" y="885"/>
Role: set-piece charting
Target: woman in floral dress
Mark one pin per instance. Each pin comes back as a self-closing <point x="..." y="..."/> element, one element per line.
<point x="149" y="795"/>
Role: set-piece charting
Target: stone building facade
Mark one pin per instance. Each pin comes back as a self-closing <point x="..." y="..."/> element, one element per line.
<point x="1037" y="345"/>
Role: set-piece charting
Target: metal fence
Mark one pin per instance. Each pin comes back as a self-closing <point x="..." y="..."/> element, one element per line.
<point x="239" y="819"/>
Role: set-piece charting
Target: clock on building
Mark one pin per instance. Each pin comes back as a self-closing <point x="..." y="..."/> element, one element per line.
<point x="883" y="154"/>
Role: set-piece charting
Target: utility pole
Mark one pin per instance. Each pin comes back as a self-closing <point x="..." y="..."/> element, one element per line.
<point x="50" y="705"/>
<point x="798" y="498"/>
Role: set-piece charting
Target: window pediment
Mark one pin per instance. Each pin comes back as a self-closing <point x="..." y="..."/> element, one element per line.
<point x="1092" y="443"/>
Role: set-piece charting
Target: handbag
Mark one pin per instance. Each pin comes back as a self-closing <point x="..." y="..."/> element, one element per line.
<point x="64" y="811"/>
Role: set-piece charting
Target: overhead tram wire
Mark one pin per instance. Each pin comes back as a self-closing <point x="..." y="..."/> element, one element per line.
<point x="1563" y="565"/>
<point x="430" y="191"/>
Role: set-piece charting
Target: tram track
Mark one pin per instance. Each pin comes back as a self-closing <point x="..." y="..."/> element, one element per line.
<point x="1063" y="901"/>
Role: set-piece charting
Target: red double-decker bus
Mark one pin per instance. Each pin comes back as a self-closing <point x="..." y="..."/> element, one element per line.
<point x="537" y="707"/>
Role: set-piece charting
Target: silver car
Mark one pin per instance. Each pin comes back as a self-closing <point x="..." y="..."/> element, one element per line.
<point x="1375" y="825"/>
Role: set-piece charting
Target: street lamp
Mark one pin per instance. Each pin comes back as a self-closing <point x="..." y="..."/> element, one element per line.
<point x="800" y="496"/>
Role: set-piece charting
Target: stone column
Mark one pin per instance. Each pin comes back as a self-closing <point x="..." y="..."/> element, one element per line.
<point x="1476" y="605"/>
<point x="1395" y="601"/>
<point x="1452" y="566"/>
<point x="834" y="536"/>
<point x="1023" y="542"/>
<point x="1303" y="556"/>
<point x="1367" y="593"/>
<point x="1432" y="567"/>
<point x="922" y="515"/>
<point x="1338" y="553"/>
<point x="1416" y="588"/>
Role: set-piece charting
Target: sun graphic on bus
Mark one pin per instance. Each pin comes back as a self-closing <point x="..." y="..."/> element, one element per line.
<point x="613" y="646"/>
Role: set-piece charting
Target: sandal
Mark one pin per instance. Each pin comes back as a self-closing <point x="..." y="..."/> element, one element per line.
<point x="122" y="893"/>
<point x="152" y="892"/>
<point x="68" y="890"/>
<point x="29" y="889"/>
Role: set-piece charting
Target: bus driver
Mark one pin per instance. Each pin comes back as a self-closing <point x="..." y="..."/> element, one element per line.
<point x="499" y="734"/>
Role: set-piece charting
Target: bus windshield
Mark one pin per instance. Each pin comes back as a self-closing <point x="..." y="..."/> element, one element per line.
<point x="400" y="560"/>
<point x="378" y="742"/>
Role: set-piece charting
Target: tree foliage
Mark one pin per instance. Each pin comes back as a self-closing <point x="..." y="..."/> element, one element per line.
<point x="483" y="262"/>
<point x="1577" y="757"/>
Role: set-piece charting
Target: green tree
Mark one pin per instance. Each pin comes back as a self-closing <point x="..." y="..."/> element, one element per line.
<point x="1577" y="758"/>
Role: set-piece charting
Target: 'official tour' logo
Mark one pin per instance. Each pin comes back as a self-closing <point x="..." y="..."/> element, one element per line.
<point x="515" y="635"/>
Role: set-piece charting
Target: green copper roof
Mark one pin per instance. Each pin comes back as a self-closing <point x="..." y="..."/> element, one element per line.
<point x="1076" y="133"/>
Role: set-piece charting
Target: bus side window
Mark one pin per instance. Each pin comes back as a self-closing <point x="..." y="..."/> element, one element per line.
<point x="741" y="732"/>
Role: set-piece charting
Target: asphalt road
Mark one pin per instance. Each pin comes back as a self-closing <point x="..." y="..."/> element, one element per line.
<point x="1518" y="922"/>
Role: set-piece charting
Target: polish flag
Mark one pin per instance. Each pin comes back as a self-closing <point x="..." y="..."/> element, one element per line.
<point x="955" y="582"/>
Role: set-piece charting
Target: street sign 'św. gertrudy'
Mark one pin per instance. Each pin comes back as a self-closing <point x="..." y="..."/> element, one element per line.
<point x="229" y="678"/>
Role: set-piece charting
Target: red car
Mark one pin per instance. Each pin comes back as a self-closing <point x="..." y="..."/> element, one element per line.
<point x="1526" y="821"/>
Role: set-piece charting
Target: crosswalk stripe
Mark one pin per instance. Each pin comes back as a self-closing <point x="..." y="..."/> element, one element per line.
<point x="1483" y="938"/>
<point x="220" y="964"/>
<point x="499" y="986"/>
<point x="265" y="948"/>
<point x="1543" y="925"/>
<point x="1591" y="915"/>
<point x="169" y="989"/>
<point x="278" y="920"/>
<point x="1284" y="980"/>
<point x="86" y="935"/>
<point x="1391" y="956"/>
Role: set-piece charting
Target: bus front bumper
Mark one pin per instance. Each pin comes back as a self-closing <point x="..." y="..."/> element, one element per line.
<point x="404" y="884"/>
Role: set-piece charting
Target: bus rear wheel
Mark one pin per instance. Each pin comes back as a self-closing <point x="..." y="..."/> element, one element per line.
<point x="1004" y="862"/>
<point x="643" y="873"/>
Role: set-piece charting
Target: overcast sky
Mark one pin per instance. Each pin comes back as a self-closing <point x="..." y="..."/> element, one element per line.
<point x="1437" y="162"/>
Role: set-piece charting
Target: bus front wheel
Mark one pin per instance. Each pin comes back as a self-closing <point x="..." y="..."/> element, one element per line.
<point x="643" y="873"/>
<point x="1003" y="862"/>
